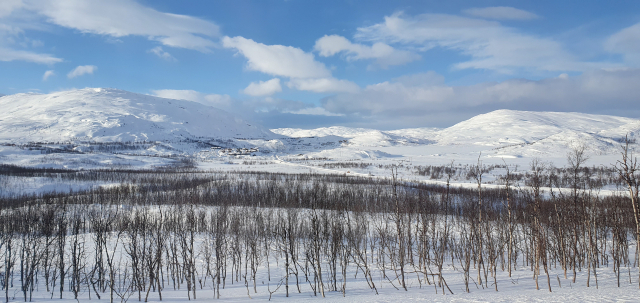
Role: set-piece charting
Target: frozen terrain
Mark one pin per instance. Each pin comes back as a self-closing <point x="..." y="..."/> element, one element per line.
<point x="127" y="134"/>
<point x="269" y="277"/>
<point x="110" y="128"/>
<point x="499" y="134"/>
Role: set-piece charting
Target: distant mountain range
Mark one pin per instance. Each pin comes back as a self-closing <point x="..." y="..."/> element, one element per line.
<point x="103" y="115"/>
<point x="500" y="129"/>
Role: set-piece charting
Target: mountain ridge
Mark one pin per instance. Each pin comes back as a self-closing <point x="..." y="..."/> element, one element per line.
<point x="103" y="115"/>
<point x="496" y="129"/>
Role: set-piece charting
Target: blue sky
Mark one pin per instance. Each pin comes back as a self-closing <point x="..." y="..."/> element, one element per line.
<point x="297" y="63"/>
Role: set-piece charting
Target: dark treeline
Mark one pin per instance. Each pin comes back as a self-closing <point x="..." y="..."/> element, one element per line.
<point x="556" y="176"/>
<point x="182" y="231"/>
<point x="180" y="165"/>
<point x="85" y="147"/>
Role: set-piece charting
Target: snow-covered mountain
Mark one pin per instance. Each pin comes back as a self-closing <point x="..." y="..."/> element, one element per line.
<point x="76" y="119"/>
<point x="504" y="127"/>
<point x="108" y="115"/>
<point x="494" y="129"/>
<point x="364" y="136"/>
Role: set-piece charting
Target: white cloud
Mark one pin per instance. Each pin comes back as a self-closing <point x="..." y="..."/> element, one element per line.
<point x="277" y="60"/>
<point x="429" y="78"/>
<point x="314" y="111"/>
<point x="9" y="30"/>
<point x="323" y="85"/>
<point x="304" y="71"/>
<point x="11" y="36"/>
<point x="113" y="19"/>
<point x="271" y="104"/>
<point x="8" y="6"/>
<point x="399" y="101"/>
<point x="119" y="18"/>
<point x="626" y="42"/>
<point x="389" y="97"/>
<point x="490" y="45"/>
<point x="48" y="74"/>
<point x="384" y="54"/>
<point x="501" y="13"/>
<point x="424" y="99"/>
<point x="158" y="51"/>
<point x="36" y="43"/>
<point x="82" y="70"/>
<point x="263" y="88"/>
<point x="252" y="107"/>
<point x="7" y="54"/>
<point x="215" y="100"/>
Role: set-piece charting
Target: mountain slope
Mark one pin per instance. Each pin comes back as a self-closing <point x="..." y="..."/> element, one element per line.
<point x="503" y="127"/>
<point x="364" y="136"/>
<point x="518" y="132"/>
<point x="107" y="115"/>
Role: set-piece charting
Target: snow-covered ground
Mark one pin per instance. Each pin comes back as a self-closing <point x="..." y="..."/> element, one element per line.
<point x="518" y="288"/>
<point x="87" y="121"/>
<point x="516" y="136"/>
<point x="114" y="129"/>
<point x="270" y="283"/>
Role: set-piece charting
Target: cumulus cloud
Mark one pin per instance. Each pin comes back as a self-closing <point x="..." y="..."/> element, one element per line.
<point x="501" y="13"/>
<point x="323" y="85"/>
<point x="120" y="18"/>
<point x="263" y="88"/>
<point x="405" y="102"/>
<point x="384" y="54"/>
<point x="48" y="74"/>
<point x="82" y="70"/>
<point x="303" y="71"/>
<point x="490" y="45"/>
<point x="158" y="51"/>
<point x="277" y="60"/>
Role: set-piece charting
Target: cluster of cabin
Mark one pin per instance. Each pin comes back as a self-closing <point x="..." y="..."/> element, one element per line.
<point x="238" y="151"/>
